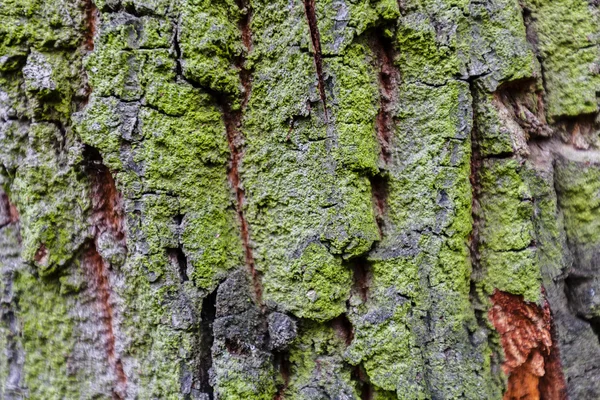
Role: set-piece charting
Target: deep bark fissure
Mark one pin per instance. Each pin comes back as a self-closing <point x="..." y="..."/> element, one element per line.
<point x="343" y="328"/>
<point x="315" y="37"/>
<point x="366" y="389"/>
<point x="380" y="190"/>
<point x="281" y="360"/>
<point x="389" y="80"/>
<point x="13" y="351"/>
<point x="96" y="270"/>
<point x="91" y="22"/>
<point x="235" y="139"/>
<point x="106" y="217"/>
<point x="179" y="258"/>
<point x="361" y="275"/>
<point x="207" y="316"/>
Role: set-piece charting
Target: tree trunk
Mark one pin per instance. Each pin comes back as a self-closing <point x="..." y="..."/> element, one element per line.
<point x="299" y="199"/>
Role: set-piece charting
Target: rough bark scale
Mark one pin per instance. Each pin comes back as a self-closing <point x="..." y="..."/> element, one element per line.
<point x="303" y="199"/>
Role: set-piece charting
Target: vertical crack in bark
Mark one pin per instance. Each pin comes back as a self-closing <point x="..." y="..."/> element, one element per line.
<point x="359" y="375"/>
<point x="8" y="211"/>
<point x="361" y="276"/>
<point x="207" y="315"/>
<point x="315" y="37"/>
<point x="97" y="272"/>
<point x="91" y="22"/>
<point x="281" y="360"/>
<point x="235" y="139"/>
<point x="107" y="218"/>
<point x="389" y="79"/>
<point x="380" y="190"/>
<point x="179" y="259"/>
<point x="531" y="362"/>
<point x="385" y="123"/>
<point x="343" y="328"/>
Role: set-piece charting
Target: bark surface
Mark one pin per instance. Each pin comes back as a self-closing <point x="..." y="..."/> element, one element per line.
<point x="299" y="199"/>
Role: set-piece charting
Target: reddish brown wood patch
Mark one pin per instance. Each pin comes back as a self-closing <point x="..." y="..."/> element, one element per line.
<point x="532" y="363"/>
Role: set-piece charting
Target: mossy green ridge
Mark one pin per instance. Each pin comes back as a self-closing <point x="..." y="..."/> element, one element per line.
<point x="506" y="234"/>
<point x="53" y="199"/>
<point x="317" y="367"/>
<point x="48" y="338"/>
<point x="306" y="173"/>
<point x="211" y="45"/>
<point x="578" y="185"/>
<point x="165" y="141"/>
<point x="566" y="37"/>
<point x="418" y="302"/>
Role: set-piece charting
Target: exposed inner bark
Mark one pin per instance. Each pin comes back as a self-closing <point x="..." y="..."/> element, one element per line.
<point x="96" y="270"/>
<point x="531" y="364"/>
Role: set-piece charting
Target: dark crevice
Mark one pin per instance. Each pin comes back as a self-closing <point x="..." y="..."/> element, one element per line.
<point x="364" y="386"/>
<point x="207" y="315"/>
<point x="311" y="16"/>
<point x="477" y="303"/>
<point x="361" y="277"/>
<point x="595" y="325"/>
<point x="343" y="328"/>
<point x="177" y="48"/>
<point x="178" y="258"/>
<point x="380" y="191"/>
<point x="281" y="362"/>
<point x="389" y="80"/>
<point x="91" y="22"/>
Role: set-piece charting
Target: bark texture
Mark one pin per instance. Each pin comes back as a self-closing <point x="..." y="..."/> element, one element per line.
<point x="299" y="199"/>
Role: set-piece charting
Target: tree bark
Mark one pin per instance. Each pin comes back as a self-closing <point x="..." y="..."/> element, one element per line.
<point x="299" y="199"/>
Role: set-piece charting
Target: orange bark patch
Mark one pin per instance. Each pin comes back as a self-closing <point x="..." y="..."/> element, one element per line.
<point x="532" y="364"/>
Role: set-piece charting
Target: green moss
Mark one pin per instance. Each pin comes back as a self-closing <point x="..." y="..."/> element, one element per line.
<point x="304" y="173"/>
<point x="514" y="272"/>
<point x="507" y="232"/>
<point x="340" y="23"/>
<point x="548" y="222"/>
<point x="423" y="56"/>
<point x="53" y="200"/>
<point x="319" y="281"/>
<point x="495" y="41"/>
<point x="101" y="126"/>
<point x="506" y="206"/>
<point x="317" y="369"/>
<point x="47" y="338"/>
<point x="211" y="42"/>
<point x="566" y="32"/>
<point x="237" y="384"/>
<point x="578" y="186"/>
<point x="492" y="135"/>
